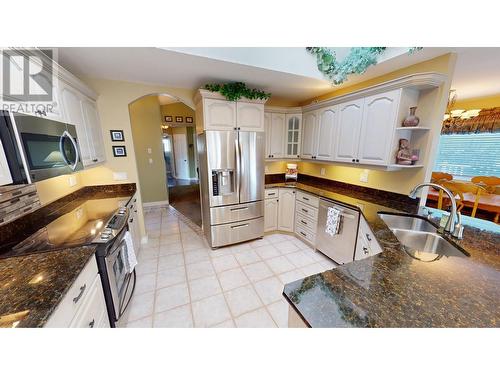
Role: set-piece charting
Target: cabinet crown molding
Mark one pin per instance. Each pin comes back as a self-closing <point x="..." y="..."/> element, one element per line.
<point x="202" y="93"/>
<point x="275" y="109"/>
<point x="418" y="81"/>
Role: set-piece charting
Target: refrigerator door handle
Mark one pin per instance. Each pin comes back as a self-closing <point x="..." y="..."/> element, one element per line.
<point x="238" y="165"/>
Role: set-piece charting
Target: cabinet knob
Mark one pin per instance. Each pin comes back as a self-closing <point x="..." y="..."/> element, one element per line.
<point x="368" y="237"/>
<point x="365" y="250"/>
<point x="95" y="160"/>
<point x="357" y="160"/>
<point x="92" y="323"/>
<point x="353" y="160"/>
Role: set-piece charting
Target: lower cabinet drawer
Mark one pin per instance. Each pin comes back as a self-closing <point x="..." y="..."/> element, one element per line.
<point x="306" y="221"/>
<point x="93" y="313"/>
<point x="226" y="234"/>
<point x="306" y="210"/>
<point x="237" y="212"/>
<point x="271" y="193"/>
<point x="305" y="234"/>
<point x="75" y="296"/>
<point x="311" y="200"/>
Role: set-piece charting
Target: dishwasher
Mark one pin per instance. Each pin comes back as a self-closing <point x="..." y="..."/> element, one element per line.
<point x="340" y="246"/>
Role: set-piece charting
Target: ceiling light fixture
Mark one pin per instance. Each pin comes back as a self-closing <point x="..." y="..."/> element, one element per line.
<point x="461" y="114"/>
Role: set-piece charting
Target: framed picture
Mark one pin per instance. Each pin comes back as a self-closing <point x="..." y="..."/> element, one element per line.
<point x="117" y="136"/>
<point x="168" y="119"/>
<point x="178" y="119"/>
<point x="189" y="119"/>
<point x="119" y="151"/>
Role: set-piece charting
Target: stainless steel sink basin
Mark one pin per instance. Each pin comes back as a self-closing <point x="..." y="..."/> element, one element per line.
<point x="419" y="238"/>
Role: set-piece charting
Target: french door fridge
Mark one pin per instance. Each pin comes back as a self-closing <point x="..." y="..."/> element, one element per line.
<point x="232" y="185"/>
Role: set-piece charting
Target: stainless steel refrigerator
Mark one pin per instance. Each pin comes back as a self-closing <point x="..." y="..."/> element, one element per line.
<point x="232" y="185"/>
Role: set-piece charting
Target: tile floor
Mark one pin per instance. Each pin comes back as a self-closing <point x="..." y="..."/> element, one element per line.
<point x="181" y="282"/>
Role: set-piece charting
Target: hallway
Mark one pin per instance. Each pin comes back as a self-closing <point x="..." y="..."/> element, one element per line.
<point x="184" y="196"/>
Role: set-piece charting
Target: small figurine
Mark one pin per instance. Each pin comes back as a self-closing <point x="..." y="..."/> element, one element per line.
<point x="404" y="156"/>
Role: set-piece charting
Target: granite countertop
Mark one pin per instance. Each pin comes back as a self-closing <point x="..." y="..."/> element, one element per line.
<point x="31" y="286"/>
<point x="392" y="289"/>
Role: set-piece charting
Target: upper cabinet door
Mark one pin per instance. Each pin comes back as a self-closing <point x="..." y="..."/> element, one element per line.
<point x="292" y="135"/>
<point x="277" y="141"/>
<point x="73" y="111"/>
<point x="250" y="116"/>
<point x="219" y="114"/>
<point x="93" y="126"/>
<point x="379" y="119"/>
<point x="349" y="126"/>
<point x="267" y="129"/>
<point x="309" y="135"/>
<point x="327" y="124"/>
<point x="5" y="176"/>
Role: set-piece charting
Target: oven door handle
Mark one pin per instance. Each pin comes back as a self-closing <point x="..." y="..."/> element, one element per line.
<point x="75" y="146"/>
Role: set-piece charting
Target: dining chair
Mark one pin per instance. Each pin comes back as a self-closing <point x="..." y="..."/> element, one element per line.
<point x="490" y="183"/>
<point x="458" y="188"/>
<point x="439" y="178"/>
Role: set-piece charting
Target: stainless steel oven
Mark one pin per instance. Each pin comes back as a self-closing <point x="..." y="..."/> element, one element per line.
<point x="47" y="148"/>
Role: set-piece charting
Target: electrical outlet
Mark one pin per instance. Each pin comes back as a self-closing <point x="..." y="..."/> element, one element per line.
<point x="322" y="171"/>
<point x="363" y="176"/>
<point x="72" y="181"/>
<point x="149" y="150"/>
<point x="266" y="169"/>
<point x="150" y="161"/>
<point x="79" y="213"/>
<point x="119" y="176"/>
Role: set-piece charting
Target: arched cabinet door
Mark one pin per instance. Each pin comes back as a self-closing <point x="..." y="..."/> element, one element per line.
<point x="327" y="124"/>
<point x="309" y="135"/>
<point x="219" y="114"/>
<point x="379" y="118"/>
<point x="349" y="127"/>
<point x="250" y="116"/>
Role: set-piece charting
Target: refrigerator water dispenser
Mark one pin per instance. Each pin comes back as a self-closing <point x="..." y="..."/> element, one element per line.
<point x="223" y="182"/>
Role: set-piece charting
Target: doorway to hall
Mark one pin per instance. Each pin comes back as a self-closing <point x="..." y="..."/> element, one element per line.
<point x="179" y="145"/>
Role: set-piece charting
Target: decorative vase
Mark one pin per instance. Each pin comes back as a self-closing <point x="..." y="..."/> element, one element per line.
<point x="411" y="120"/>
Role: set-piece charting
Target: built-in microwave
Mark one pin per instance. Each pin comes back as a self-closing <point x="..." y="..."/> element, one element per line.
<point x="37" y="148"/>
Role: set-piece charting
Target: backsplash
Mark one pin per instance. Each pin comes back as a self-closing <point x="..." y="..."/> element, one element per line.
<point x="17" y="201"/>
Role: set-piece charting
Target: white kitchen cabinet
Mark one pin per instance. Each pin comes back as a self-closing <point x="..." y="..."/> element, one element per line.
<point x="276" y="134"/>
<point x="366" y="244"/>
<point x="271" y="214"/>
<point x="327" y="125"/>
<point x="286" y="209"/>
<point x="377" y="128"/>
<point x="93" y="313"/>
<point x="292" y="135"/>
<point x="250" y="116"/>
<point x="5" y="176"/>
<point x="349" y="128"/>
<point x="219" y="114"/>
<point x="309" y="135"/>
<point x="82" y="112"/>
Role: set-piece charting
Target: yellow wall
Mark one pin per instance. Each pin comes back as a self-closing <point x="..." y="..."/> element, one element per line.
<point x="274" y="167"/>
<point x="176" y="109"/>
<point x="478" y="103"/>
<point x="145" y="119"/>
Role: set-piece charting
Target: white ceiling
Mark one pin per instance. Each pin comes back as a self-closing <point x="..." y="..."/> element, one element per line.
<point x="288" y="73"/>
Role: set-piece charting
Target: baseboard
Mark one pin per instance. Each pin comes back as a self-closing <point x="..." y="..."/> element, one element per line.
<point x="155" y="204"/>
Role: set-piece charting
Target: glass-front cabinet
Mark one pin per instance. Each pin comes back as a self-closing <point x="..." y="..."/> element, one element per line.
<point x="292" y="135"/>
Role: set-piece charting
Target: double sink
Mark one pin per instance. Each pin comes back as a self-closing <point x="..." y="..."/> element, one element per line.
<point x="420" y="238"/>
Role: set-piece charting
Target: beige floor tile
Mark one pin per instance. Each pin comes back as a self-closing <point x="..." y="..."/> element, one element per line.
<point x="169" y="229"/>
<point x="171" y="276"/>
<point x="279" y="313"/>
<point x="259" y="243"/>
<point x="169" y="238"/>
<point x="199" y="270"/>
<point x="170" y="297"/>
<point x="179" y="317"/>
<point x="154" y="234"/>
<point x="147" y="266"/>
<point x="247" y="257"/>
<point x="269" y="290"/>
<point x="312" y="269"/>
<point x="255" y="319"/>
<point x="299" y="259"/>
<point x="204" y="287"/>
<point x="226" y="324"/>
<point x="279" y="264"/>
<point x="238" y="248"/>
<point x="193" y="244"/>
<point x="148" y="253"/>
<point x="267" y="252"/>
<point x="257" y="271"/>
<point x="217" y="253"/>
<point x="242" y="300"/>
<point x="232" y="279"/>
<point x="300" y="244"/>
<point x="293" y="275"/>
<point x="170" y="261"/>
<point x="145" y="283"/>
<point x="328" y="264"/>
<point x="152" y="242"/>
<point x="141" y="306"/>
<point x="317" y="255"/>
<point x="172" y="248"/>
<point x="276" y="238"/>
<point x="224" y="263"/>
<point x="146" y="322"/>
<point x="195" y="256"/>
<point x="210" y="311"/>
<point x="286" y="247"/>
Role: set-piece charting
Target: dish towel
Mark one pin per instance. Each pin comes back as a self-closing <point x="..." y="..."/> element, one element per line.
<point x="130" y="259"/>
<point x="332" y="221"/>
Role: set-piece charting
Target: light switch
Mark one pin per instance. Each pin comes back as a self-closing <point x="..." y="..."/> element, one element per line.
<point x="322" y="171"/>
<point x="119" y="176"/>
<point x="150" y="161"/>
<point x="363" y="176"/>
<point x="266" y="169"/>
<point x="149" y="150"/>
<point x="72" y="181"/>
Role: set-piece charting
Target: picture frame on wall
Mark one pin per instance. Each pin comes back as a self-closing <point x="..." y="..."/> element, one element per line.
<point x="179" y="119"/>
<point x="117" y="136"/>
<point x="189" y="119"/>
<point x="169" y="119"/>
<point x="119" y="151"/>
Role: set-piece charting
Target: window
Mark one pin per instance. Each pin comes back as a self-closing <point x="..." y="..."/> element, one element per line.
<point x="468" y="155"/>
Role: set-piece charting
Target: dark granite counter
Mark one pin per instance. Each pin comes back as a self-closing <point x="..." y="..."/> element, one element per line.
<point x="31" y="286"/>
<point x="392" y="289"/>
